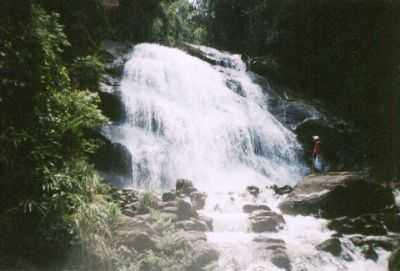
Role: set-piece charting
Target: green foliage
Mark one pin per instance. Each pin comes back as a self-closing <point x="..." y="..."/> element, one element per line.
<point x="86" y="72"/>
<point x="182" y="23"/>
<point x="52" y="198"/>
<point x="164" y="21"/>
<point x="147" y="201"/>
<point x="86" y="23"/>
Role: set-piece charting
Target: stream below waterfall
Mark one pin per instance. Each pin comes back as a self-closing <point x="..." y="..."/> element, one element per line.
<point x="211" y="124"/>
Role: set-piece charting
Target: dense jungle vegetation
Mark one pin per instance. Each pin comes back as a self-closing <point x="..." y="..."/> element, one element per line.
<point x="346" y="53"/>
<point x="52" y="199"/>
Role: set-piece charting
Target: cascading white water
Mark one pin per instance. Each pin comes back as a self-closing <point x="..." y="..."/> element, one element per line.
<point x="183" y="121"/>
<point x="189" y="119"/>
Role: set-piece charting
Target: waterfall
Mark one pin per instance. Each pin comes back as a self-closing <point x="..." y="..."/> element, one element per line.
<point x="210" y="123"/>
<point x="188" y="120"/>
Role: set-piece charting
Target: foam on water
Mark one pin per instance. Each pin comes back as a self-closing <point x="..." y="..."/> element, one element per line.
<point x="189" y="119"/>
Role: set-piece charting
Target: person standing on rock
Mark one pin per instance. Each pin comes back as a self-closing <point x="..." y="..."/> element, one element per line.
<point x="317" y="162"/>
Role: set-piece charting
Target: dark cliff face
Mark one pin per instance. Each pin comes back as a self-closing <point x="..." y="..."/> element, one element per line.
<point x="345" y="53"/>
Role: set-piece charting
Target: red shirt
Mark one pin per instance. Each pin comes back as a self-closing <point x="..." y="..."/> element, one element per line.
<point x="317" y="148"/>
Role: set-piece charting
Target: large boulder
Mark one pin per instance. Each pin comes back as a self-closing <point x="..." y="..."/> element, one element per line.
<point x="394" y="260"/>
<point x="388" y="243"/>
<point x="337" y="194"/>
<point x="333" y="133"/>
<point x="249" y="208"/>
<point x="185" y="210"/>
<point x="135" y="233"/>
<point x="198" y="200"/>
<point x="275" y="250"/>
<point x="202" y="254"/>
<point x="112" y="106"/>
<point x="114" y="162"/>
<point x="281" y="190"/>
<point x="332" y="246"/>
<point x="169" y="196"/>
<point x="265" y="221"/>
<point x="253" y="190"/>
<point x="192" y="225"/>
<point x="368" y="224"/>
<point x="184" y="187"/>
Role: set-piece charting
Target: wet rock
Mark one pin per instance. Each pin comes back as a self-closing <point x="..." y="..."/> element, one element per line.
<point x="198" y="200"/>
<point x="333" y="246"/>
<point x="394" y="260"/>
<point x="209" y="222"/>
<point x="266" y="221"/>
<point x="337" y="194"/>
<point x="202" y="255"/>
<point x="249" y="208"/>
<point x="129" y="212"/>
<point x="387" y="243"/>
<point x="281" y="260"/>
<point x="185" y="210"/>
<point x="114" y="161"/>
<point x="235" y="86"/>
<point x="112" y="106"/>
<point x="192" y="225"/>
<point x="170" y="210"/>
<point x="184" y="187"/>
<point x="192" y="236"/>
<point x="253" y="190"/>
<point x="168" y="196"/>
<point x="368" y="224"/>
<point x="282" y="190"/>
<point x="392" y="222"/>
<point x="275" y="250"/>
<point x="369" y="253"/>
<point x="135" y="233"/>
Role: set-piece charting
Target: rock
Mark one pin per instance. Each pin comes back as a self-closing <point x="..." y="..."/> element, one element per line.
<point x="184" y="187"/>
<point x="269" y="241"/>
<point x="265" y="221"/>
<point x="249" y="208"/>
<point x="192" y="236"/>
<point x="185" y="210"/>
<point x="192" y="225"/>
<point x="281" y="260"/>
<point x="386" y="243"/>
<point x="392" y="222"/>
<point x="369" y="253"/>
<point x="128" y="212"/>
<point x="112" y="106"/>
<point x="198" y="200"/>
<point x="202" y="255"/>
<point x="170" y="210"/>
<point x="253" y="190"/>
<point x="281" y="190"/>
<point x="368" y="224"/>
<point x="134" y="233"/>
<point x="333" y="133"/>
<point x="337" y="194"/>
<point x="394" y="260"/>
<point x="114" y="161"/>
<point x="333" y="246"/>
<point x="275" y="249"/>
<point x="235" y="86"/>
<point x="169" y="196"/>
<point x="209" y="222"/>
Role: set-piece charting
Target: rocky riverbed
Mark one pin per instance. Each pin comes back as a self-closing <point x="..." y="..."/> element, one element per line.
<point x="135" y="231"/>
